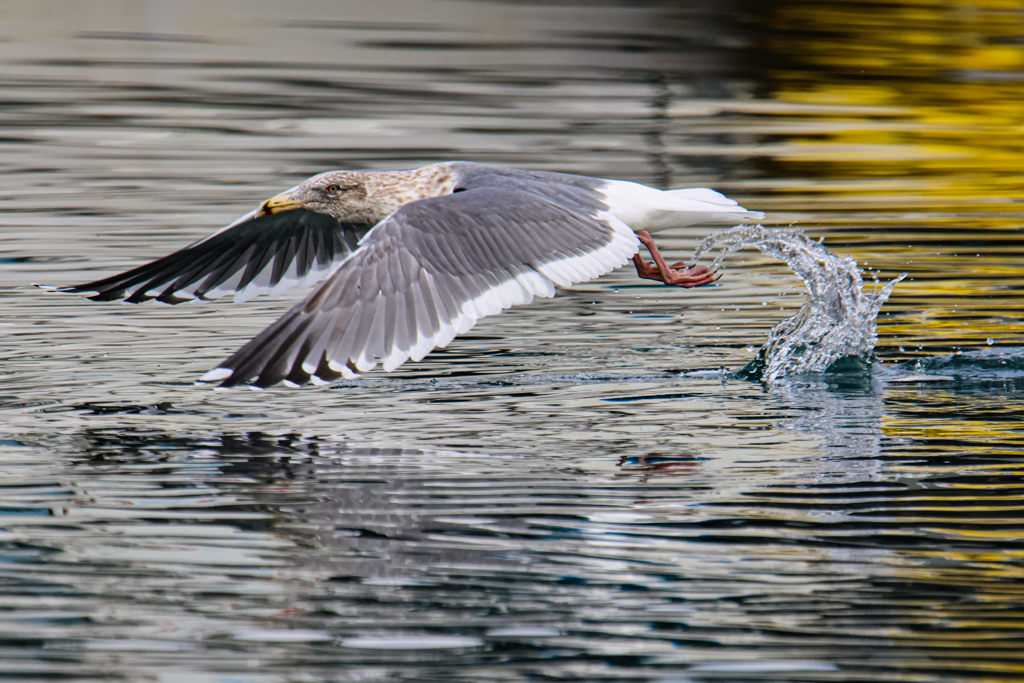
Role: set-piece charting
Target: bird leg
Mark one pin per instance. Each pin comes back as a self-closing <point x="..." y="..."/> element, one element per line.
<point x="677" y="275"/>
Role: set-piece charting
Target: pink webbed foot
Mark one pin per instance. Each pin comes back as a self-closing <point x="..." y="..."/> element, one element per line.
<point x="677" y="275"/>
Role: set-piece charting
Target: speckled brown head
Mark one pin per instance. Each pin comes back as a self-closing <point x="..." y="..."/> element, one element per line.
<point x="363" y="197"/>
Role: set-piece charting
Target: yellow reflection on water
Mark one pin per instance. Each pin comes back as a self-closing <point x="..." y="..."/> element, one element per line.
<point x="911" y="147"/>
<point x="949" y="74"/>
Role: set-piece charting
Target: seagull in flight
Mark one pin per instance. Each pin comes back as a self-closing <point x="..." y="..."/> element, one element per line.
<point x="408" y="259"/>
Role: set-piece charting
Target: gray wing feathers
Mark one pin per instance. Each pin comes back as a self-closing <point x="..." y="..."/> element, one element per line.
<point x="254" y="255"/>
<point x="428" y="273"/>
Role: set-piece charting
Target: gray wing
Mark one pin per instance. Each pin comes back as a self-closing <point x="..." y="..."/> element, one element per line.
<point x="254" y="255"/>
<point x="429" y="272"/>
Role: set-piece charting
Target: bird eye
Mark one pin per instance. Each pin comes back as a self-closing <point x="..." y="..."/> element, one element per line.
<point x="332" y="189"/>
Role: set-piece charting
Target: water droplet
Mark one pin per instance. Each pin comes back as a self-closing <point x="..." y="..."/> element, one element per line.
<point x="749" y="349"/>
<point x="990" y="341"/>
<point x="902" y="350"/>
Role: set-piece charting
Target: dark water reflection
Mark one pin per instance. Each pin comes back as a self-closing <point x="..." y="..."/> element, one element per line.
<point x="573" y="491"/>
<point x="881" y="554"/>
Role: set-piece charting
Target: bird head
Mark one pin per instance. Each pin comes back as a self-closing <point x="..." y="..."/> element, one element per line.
<point x="340" y="194"/>
<point x="361" y="197"/>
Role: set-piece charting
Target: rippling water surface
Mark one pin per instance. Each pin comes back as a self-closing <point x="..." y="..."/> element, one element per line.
<point x="577" y="490"/>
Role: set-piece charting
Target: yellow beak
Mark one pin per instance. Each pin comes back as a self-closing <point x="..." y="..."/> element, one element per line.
<point x="282" y="202"/>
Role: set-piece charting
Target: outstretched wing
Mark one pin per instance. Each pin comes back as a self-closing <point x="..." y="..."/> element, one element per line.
<point x="254" y="255"/>
<point x="430" y="271"/>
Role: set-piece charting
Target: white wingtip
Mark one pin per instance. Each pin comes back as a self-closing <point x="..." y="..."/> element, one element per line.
<point x="344" y="369"/>
<point x="217" y="374"/>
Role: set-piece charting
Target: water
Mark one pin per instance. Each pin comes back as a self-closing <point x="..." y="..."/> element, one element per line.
<point x="578" y="489"/>
<point x="836" y="327"/>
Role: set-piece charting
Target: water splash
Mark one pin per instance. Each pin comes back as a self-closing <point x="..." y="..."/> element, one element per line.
<point x="837" y="325"/>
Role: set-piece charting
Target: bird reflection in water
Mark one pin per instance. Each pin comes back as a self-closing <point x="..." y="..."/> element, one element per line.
<point x="661" y="464"/>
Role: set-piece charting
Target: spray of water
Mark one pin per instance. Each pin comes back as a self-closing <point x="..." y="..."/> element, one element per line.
<point x="837" y="324"/>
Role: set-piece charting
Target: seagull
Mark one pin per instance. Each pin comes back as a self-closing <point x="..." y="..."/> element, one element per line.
<point x="408" y="259"/>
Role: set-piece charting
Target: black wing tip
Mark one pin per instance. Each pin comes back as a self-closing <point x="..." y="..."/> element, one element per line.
<point x="121" y="294"/>
<point x="70" y="289"/>
<point x="95" y="293"/>
<point x="228" y="378"/>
